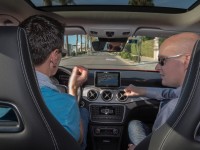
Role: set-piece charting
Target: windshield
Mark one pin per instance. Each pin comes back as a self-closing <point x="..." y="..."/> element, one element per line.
<point x="138" y="53"/>
<point x="184" y="4"/>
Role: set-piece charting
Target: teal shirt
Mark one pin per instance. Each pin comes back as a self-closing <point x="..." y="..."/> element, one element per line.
<point x="62" y="105"/>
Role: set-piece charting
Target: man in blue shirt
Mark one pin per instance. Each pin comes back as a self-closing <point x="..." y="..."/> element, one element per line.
<point x="46" y="38"/>
<point x="173" y="60"/>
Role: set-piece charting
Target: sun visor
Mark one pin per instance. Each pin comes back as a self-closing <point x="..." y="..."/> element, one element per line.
<point x="74" y="30"/>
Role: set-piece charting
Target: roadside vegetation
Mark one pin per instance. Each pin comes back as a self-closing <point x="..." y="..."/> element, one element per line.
<point x="142" y="46"/>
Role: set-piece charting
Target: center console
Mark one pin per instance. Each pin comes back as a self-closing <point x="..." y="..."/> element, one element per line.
<point x="106" y="137"/>
<point x="107" y="113"/>
<point x="106" y="128"/>
<point x="106" y="118"/>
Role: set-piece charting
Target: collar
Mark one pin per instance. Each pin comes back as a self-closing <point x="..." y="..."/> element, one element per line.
<point x="44" y="80"/>
<point x="178" y="90"/>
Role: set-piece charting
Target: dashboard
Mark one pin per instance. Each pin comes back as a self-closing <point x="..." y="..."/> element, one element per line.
<point x="110" y="110"/>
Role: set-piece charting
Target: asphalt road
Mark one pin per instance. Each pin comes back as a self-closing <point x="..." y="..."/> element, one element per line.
<point x="107" y="61"/>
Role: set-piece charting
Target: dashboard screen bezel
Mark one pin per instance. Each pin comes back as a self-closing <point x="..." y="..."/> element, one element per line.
<point x="106" y="72"/>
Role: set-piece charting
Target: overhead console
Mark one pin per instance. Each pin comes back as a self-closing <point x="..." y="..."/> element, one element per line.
<point x="112" y="32"/>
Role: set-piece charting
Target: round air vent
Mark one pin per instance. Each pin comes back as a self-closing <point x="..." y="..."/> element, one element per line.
<point x="92" y="95"/>
<point x="121" y="97"/>
<point x="107" y="95"/>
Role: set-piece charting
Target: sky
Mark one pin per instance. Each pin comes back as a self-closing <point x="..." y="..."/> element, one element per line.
<point x="72" y="39"/>
<point x="174" y="3"/>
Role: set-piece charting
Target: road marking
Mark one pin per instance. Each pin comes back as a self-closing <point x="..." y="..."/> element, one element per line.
<point x="110" y="59"/>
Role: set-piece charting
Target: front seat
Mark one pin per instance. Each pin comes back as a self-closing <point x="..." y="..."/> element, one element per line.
<point x="181" y="131"/>
<point x="25" y="121"/>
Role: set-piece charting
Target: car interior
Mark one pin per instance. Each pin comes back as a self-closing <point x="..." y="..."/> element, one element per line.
<point x="118" y="42"/>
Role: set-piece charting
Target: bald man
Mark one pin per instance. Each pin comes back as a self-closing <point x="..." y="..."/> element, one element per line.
<point x="173" y="60"/>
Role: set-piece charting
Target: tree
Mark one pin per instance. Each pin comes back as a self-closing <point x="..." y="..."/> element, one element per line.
<point x="62" y="2"/>
<point x="47" y="2"/>
<point x="155" y="47"/>
<point x="86" y="43"/>
<point x="81" y="48"/>
<point x="76" y="43"/>
<point x="141" y="2"/>
<point x="139" y="47"/>
<point x="67" y="44"/>
<point x="66" y="2"/>
<point x="128" y="48"/>
<point x="90" y="43"/>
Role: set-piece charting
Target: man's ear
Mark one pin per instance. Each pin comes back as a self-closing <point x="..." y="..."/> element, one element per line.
<point x="56" y="51"/>
<point x="54" y="54"/>
<point x="187" y="61"/>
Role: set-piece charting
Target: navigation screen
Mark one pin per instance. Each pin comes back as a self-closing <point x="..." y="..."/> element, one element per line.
<point x="107" y="79"/>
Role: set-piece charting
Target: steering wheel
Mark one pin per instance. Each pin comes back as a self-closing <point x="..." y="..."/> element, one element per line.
<point x="61" y="80"/>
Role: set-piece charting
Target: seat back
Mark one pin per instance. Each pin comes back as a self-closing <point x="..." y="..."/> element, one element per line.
<point x="33" y="126"/>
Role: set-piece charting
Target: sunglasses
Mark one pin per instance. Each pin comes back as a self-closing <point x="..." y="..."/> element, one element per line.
<point x="114" y="48"/>
<point x="162" y="60"/>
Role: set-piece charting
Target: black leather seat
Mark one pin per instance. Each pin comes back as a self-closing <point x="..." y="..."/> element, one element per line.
<point x="34" y="127"/>
<point x="181" y="131"/>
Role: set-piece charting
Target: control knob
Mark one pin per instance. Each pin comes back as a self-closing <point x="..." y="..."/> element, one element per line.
<point x="115" y="131"/>
<point x="97" y="131"/>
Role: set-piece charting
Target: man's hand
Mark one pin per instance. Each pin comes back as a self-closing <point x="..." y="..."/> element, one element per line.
<point x="131" y="147"/>
<point x="78" y="77"/>
<point x="132" y="90"/>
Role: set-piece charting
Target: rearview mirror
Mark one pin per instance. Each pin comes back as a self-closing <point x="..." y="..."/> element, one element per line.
<point x="109" y="45"/>
<point x="98" y="46"/>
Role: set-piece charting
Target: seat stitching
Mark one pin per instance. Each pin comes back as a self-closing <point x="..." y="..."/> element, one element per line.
<point x="31" y="92"/>
<point x="187" y="103"/>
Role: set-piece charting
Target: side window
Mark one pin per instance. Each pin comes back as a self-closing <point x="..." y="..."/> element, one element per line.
<point x="10" y="121"/>
<point x="7" y="114"/>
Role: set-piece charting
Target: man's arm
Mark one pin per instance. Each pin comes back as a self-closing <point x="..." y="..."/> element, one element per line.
<point x="151" y="92"/>
<point x="81" y="133"/>
<point x="78" y="77"/>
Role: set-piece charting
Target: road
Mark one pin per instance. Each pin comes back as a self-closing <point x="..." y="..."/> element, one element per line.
<point x="106" y="61"/>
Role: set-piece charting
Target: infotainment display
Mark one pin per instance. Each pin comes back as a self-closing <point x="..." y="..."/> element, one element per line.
<point x="107" y="79"/>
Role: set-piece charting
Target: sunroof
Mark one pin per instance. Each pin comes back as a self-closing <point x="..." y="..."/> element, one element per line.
<point x="181" y="4"/>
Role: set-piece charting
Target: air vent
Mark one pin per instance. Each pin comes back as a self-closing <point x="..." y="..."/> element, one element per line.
<point x="107" y="95"/>
<point x="121" y="97"/>
<point x="110" y="34"/>
<point x="93" y="32"/>
<point x="92" y="95"/>
<point x="126" y="33"/>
